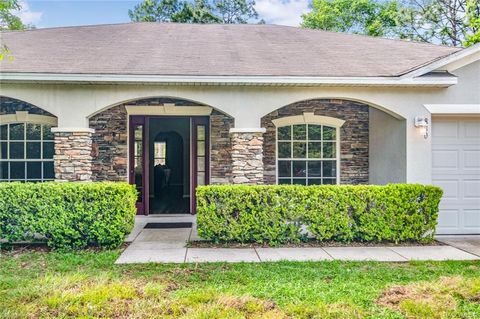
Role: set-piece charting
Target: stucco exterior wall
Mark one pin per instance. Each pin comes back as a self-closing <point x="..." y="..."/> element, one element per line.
<point x="74" y="104"/>
<point x="387" y="150"/>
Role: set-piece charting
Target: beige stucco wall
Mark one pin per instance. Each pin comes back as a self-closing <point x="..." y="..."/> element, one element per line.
<point x="387" y="151"/>
<point x="74" y="103"/>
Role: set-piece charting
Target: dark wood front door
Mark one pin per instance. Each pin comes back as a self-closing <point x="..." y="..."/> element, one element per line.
<point x="139" y="158"/>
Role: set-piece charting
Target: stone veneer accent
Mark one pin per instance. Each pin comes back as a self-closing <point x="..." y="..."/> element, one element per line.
<point x="220" y="149"/>
<point x="247" y="158"/>
<point x="110" y="145"/>
<point x="11" y="106"/>
<point x="354" y="136"/>
<point x="73" y="159"/>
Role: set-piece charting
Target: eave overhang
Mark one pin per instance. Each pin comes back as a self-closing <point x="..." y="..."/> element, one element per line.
<point x="445" y="80"/>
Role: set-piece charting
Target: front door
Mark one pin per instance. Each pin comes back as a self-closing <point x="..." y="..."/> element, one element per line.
<point x="139" y="158"/>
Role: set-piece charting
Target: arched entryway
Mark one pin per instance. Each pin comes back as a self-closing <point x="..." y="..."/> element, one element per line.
<point x="124" y="147"/>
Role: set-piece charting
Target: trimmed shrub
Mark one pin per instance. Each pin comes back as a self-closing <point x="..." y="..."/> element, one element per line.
<point x="68" y="215"/>
<point x="275" y="214"/>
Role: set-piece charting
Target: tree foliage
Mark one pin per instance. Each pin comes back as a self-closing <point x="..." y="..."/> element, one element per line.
<point x="449" y="22"/>
<point x="196" y="11"/>
<point x="355" y="16"/>
<point x="9" y="21"/>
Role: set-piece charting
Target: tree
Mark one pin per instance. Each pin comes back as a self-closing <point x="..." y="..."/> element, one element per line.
<point x="449" y="22"/>
<point x="367" y="17"/>
<point x="9" y="21"/>
<point x="236" y="11"/>
<point x="473" y="18"/>
<point x="196" y="11"/>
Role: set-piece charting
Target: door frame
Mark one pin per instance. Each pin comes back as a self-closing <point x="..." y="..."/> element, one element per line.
<point x="194" y="121"/>
<point x="143" y="208"/>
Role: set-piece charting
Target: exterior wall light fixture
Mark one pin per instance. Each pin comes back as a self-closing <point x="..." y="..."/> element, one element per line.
<point x="422" y="123"/>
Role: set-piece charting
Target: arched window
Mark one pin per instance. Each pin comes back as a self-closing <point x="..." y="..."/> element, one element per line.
<point x="26" y="147"/>
<point x="308" y="150"/>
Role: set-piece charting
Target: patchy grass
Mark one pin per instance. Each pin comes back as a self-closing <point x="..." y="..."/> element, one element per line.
<point x="88" y="285"/>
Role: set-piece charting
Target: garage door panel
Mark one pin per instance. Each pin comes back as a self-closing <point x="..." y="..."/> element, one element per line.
<point x="450" y="188"/>
<point x="472" y="219"/>
<point x="471" y="189"/>
<point x="445" y="159"/>
<point x="471" y="159"/>
<point x="445" y="129"/>
<point x="449" y="219"/>
<point x="456" y="169"/>
<point x="471" y="129"/>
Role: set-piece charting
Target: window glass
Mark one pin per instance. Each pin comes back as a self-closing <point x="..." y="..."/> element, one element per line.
<point x="299" y="132"/>
<point x="299" y="149"/>
<point x="299" y="169"/>
<point x="314" y="132"/>
<point x="34" y="170"/>
<point x="17" y="131"/>
<point x="284" y="133"/>
<point x="17" y="170"/>
<point x="48" y="149"/>
<point x="307" y="154"/>
<point x="284" y="168"/>
<point x="17" y="150"/>
<point x="328" y="150"/>
<point x="34" y="131"/>
<point x="160" y="153"/>
<point x="33" y="150"/>
<point x="284" y="149"/>
<point x="4" y="132"/>
<point x="26" y="152"/>
<point x="47" y="133"/>
<point x="329" y="133"/>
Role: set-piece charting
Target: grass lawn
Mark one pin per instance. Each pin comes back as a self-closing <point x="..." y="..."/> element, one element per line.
<point x="89" y="285"/>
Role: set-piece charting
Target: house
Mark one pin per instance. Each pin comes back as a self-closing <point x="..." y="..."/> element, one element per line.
<point x="172" y="106"/>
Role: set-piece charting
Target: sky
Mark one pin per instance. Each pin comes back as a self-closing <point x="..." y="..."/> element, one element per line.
<point x="57" y="13"/>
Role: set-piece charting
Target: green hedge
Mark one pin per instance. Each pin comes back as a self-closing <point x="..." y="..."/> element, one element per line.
<point x="67" y="215"/>
<point x="276" y="214"/>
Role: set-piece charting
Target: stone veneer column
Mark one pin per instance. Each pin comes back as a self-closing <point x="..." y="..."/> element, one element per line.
<point x="73" y="154"/>
<point x="247" y="156"/>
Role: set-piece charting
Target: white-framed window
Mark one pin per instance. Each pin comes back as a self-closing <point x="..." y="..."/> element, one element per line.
<point x="26" y="150"/>
<point x="308" y="150"/>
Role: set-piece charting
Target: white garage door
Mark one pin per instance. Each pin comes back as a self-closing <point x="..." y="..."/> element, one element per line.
<point x="456" y="168"/>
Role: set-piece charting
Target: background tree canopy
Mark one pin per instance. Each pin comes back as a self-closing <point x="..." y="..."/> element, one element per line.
<point x="8" y="21"/>
<point x="449" y="22"/>
<point x="197" y="11"/>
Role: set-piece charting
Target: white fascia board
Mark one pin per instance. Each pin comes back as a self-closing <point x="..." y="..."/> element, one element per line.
<point x="453" y="108"/>
<point x="470" y="54"/>
<point x="230" y="80"/>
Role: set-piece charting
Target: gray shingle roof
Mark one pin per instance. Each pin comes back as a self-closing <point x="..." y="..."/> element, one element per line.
<point x="228" y="50"/>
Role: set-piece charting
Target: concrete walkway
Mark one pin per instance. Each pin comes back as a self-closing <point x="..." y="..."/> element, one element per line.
<point x="169" y="246"/>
